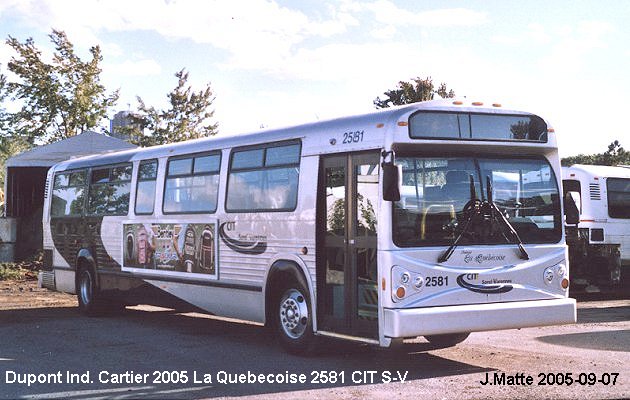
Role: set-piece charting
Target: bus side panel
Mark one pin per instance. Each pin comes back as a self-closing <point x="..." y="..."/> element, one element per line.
<point x="249" y="244"/>
<point x="222" y="301"/>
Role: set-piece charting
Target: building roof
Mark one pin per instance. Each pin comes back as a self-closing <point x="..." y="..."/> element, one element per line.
<point x="86" y="143"/>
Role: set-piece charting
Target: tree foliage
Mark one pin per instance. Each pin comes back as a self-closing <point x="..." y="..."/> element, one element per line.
<point x="3" y="96"/>
<point x="8" y="146"/>
<point x="615" y="155"/>
<point x="417" y="89"/>
<point x="57" y="99"/>
<point x="189" y="116"/>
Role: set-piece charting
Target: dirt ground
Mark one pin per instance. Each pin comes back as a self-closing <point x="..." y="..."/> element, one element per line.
<point x="17" y="295"/>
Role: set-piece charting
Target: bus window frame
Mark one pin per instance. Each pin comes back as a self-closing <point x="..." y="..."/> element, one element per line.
<point x="109" y="182"/>
<point x="608" y="202"/>
<point x="192" y="175"/>
<point x="86" y="186"/>
<point x="469" y="114"/>
<point x="138" y="180"/>
<point x="263" y="146"/>
<point x="482" y="195"/>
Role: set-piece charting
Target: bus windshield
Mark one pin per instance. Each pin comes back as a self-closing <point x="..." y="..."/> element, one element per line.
<point x="435" y="192"/>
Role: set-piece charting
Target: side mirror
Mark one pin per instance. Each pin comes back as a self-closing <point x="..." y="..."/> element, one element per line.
<point x="571" y="211"/>
<point x="391" y="178"/>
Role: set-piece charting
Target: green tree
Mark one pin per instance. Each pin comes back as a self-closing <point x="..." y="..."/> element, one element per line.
<point x="189" y="116"/>
<point x="3" y="96"/>
<point x="8" y="145"/>
<point x="337" y="217"/>
<point x="58" y="99"/>
<point x="417" y="89"/>
<point x="3" y="87"/>
<point x="615" y="155"/>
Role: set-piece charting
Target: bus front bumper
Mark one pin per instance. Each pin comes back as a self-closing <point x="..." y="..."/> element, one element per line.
<point x="405" y="323"/>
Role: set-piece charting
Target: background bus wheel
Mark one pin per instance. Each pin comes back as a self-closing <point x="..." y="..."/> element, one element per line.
<point x="88" y="293"/>
<point x="295" y="320"/>
<point x="449" y="340"/>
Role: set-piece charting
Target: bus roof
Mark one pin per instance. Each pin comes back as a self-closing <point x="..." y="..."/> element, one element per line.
<point x="599" y="170"/>
<point x="383" y="117"/>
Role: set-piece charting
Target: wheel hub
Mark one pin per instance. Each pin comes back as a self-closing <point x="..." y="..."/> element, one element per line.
<point x="293" y="314"/>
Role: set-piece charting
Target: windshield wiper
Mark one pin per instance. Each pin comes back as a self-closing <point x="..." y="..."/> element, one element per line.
<point x="504" y="223"/>
<point x="489" y="212"/>
<point x="472" y="209"/>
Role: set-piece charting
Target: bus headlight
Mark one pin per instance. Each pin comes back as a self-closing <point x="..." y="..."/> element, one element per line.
<point x="549" y="275"/>
<point x="557" y="275"/>
<point x="561" y="271"/>
<point x="418" y="282"/>
<point x="405" y="283"/>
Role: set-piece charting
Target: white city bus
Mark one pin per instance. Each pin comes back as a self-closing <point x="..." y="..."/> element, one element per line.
<point x="600" y="246"/>
<point x="434" y="219"/>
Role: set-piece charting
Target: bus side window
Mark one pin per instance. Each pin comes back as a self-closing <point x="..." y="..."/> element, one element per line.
<point x="192" y="184"/>
<point x="618" y="197"/>
<point x="145" y="189"/>
<point x="68" y="196"/>
<point x="264" y="179"/>
<point x="110" y="189"/>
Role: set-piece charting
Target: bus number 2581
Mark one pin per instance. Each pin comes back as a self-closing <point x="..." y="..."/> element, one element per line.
<point x="352" y="137"/>
<point x="437" y="281"/>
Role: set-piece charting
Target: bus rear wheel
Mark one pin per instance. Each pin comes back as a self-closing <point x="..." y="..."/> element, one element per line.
<point x="87" y="292"/>
<point x="92" y="302"/>
<point x="294" y="320"/>
<point x="448" y="340"/>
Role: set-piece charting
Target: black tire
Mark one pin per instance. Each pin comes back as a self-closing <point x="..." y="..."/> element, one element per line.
<point x="294" y="319"/>
<point x="448" y="340"/>
<point x="88" y="294"/>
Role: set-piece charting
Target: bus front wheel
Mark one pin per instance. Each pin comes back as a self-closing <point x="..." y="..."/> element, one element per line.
<point x="295" y="320"/>
<point x="448" y="340"/>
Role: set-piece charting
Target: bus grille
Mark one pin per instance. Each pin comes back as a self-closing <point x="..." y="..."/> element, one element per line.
<point x="594" y="191"/>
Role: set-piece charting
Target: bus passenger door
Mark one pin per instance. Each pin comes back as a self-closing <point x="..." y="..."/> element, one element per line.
<point x="346" y="262"/>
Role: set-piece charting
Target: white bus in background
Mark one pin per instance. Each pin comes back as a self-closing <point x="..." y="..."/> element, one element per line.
<point x="600" y="246"/>
<point x="419" y="220"/>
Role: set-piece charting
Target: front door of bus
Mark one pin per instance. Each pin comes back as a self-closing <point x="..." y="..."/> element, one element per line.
<point x="346" y="266"/>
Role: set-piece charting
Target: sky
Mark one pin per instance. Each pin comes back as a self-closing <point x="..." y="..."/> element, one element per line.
<point x="275" y="63"/>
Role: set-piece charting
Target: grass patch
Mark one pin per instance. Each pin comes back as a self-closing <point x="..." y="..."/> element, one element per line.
<point x="12" y="271"/>
<point x="24" y="270"/>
